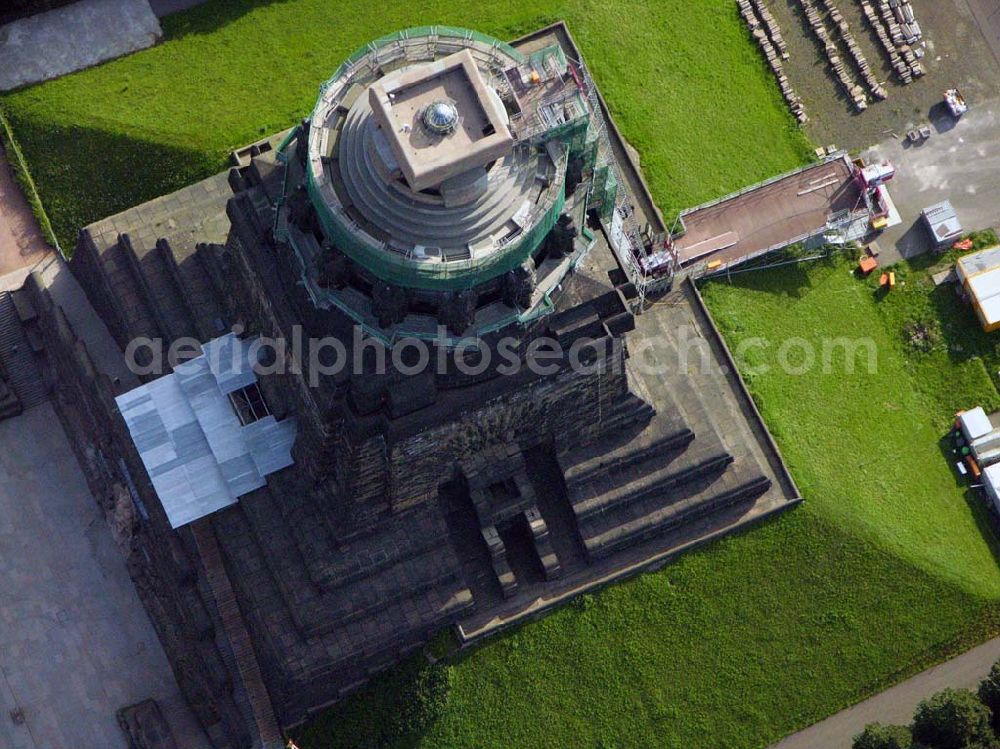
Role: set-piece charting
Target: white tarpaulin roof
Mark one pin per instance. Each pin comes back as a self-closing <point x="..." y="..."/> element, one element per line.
<point x="991" y="309"/>
<point x="199" y="456"/>
<point x="979" y="273"/>
<point x="975" y="423"/>
<point x="985" y="284"/>
<point x="985" y="289"/>
<point x="977" y="262"/>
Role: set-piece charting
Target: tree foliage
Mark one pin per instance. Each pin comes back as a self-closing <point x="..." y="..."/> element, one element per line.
<point x="989" y="695"/>
<point x="879" y="736"/>
<point x="953" y="719"/>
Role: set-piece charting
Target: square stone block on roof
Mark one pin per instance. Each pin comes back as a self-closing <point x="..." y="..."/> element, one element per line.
<point x="427" y="158"/>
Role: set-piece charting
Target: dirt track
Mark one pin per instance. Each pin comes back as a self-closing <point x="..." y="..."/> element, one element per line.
<point x="957" y="54"/>
<point x="21" y="242"/>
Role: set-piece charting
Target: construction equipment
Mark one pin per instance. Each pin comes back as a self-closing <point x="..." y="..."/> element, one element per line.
<point x="955" y="102"/>
<point x="876" y="174"/>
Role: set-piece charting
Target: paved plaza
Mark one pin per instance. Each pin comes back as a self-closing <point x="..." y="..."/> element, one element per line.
<point x="74" y="37"/>
<point x="75" y="643"/>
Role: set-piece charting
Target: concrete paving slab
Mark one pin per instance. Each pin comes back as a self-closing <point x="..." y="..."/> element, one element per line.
<point x="74" y="37"/>
<point x="960" y="162"/>
<point x="75" y="642"/>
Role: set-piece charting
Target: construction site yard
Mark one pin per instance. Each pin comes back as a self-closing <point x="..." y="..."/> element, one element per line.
<point x="960" y="51"/>
<point x="960" y="162"/>
<point x="883" y="571"/>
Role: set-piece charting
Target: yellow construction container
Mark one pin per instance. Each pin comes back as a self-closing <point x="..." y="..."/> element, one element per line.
<point x="979" y="274"/>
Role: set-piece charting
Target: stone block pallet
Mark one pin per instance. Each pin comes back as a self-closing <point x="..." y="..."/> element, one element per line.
<point x="764" y="28"/>
<point x="897" y="30"/>
<point x="864" y="69"/>
<point x="854" y="91"/>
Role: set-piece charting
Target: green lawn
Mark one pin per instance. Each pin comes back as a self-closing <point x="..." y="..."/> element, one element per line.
<point x="865" y="447"/>
<point x="887" y="566"/>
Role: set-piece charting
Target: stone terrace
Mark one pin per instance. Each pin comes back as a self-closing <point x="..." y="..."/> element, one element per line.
<point x="332" y="593"/>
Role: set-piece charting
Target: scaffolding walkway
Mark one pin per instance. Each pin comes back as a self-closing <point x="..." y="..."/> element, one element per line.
<point x="821" y="203"/>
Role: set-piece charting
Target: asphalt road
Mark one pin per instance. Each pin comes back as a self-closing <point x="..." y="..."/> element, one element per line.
<point x="896" y="705"/>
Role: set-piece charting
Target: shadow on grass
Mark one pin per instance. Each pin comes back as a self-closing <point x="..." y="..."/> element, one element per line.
<point x="947" y="448"/>
<point x="392" y="711"/>
<point x="961" y="329"/>
<point x="791" y="280"/>
<point x="85" y="174"/>
<point x="986" y="520"/>
<point x="979" y="504"/>
<point x="923" y="262"/>
<point x="919" y="300"/>
<point x="210" y="17"/>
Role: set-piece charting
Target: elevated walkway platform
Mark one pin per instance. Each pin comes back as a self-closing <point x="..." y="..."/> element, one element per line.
<point x="785" y="210"/>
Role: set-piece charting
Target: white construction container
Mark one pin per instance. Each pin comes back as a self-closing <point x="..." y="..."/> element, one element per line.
<point x="991" y="482"/>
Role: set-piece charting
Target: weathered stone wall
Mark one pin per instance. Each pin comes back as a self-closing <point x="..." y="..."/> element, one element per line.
<point x="355" y="429"/>
<point x="569" y="405"/>
<point x="158" y="559"/>
<point x="258" y="302"/>
<point x="86" y="268"/>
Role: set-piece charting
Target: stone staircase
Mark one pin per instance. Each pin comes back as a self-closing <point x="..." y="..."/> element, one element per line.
<point x="193" y="288"/>
<point x="635" y="486"/>
<point x="149" y="275"/>
<point x="398" y="574"/>
<point x="18" y="356"/>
